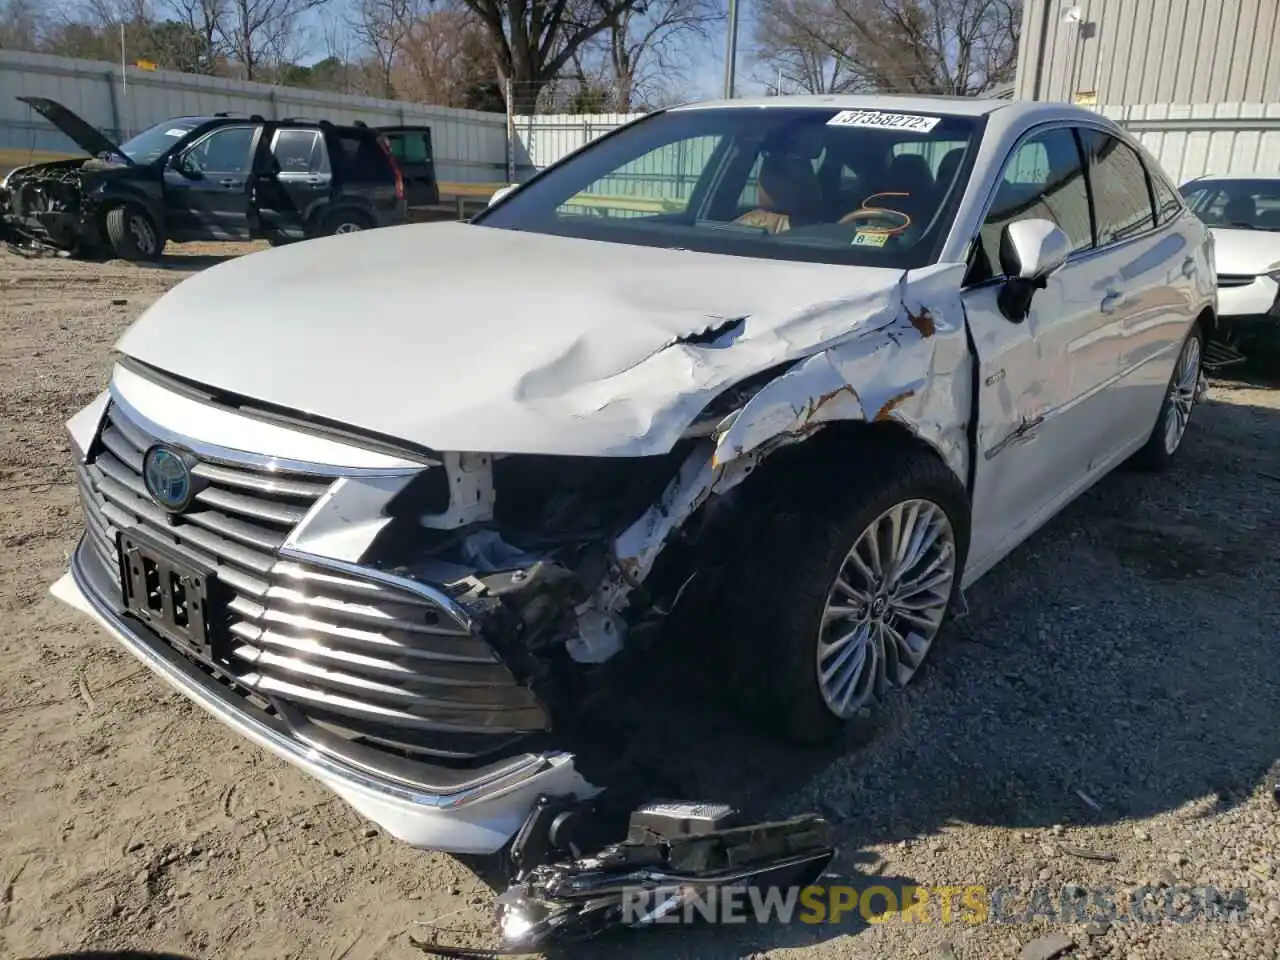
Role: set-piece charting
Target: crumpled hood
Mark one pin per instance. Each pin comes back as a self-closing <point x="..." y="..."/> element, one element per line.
<point x="1245" y="251"/>
<point x="469" y="338"/>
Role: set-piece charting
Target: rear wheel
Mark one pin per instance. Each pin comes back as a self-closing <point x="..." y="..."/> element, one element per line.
<point x="844" y="601"/>
<point x="133" y="234"/>
<point x="1179" y="402"/>
<point x="345" y="221"/>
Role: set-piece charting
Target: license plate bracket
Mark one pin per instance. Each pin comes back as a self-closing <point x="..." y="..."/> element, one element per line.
<point x="166" y="591"/>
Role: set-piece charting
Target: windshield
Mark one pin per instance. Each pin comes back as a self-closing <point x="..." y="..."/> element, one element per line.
<point x="788" y="183"/>
<point x="1237" y="204"/>
<point x="154" y="142"/>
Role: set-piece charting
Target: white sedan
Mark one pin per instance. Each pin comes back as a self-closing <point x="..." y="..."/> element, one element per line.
<point x="389" y="504"/>
<point x="1243" y="214"/>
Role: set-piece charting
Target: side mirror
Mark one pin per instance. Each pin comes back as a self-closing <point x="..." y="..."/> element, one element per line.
<point x="178" y="164"/>
<point x="501" y="192"/>
<point x="1030" y="251"/>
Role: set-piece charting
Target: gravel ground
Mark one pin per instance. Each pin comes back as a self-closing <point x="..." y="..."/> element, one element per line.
<point x="1112" y="691"/>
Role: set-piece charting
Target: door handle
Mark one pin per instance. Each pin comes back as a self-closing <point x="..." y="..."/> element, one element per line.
<point x="1111" y="301"/>
<point x="1189" y="267"/>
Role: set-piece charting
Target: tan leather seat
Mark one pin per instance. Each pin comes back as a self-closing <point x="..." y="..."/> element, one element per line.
<point x="789" y="195"/>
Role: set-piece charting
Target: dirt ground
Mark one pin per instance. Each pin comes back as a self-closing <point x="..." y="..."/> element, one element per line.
<point x="1113" y="691"/>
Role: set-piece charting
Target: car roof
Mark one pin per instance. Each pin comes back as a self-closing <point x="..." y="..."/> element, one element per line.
<point x="956" y="106"/>
<point x="1235" y="176"/>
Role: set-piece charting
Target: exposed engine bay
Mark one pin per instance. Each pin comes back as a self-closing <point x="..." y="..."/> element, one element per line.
<point x="555" y="558"/>
<point x="51" y="203"/>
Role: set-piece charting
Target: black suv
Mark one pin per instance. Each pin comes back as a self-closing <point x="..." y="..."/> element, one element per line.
<point x="222" y="177"/>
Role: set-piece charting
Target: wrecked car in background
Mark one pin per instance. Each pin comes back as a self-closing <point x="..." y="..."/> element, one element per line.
<point x="220" y="177"/>
<point x="1242" y="212"/>
<point x="393" y="506"/>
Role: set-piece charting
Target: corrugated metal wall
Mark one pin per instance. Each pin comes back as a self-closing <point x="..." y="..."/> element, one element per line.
<point x="1126" y="52"/>
<point x="1192" y="141"/>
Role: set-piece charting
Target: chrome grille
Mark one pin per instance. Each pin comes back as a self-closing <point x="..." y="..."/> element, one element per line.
<point x="371" y="661"/>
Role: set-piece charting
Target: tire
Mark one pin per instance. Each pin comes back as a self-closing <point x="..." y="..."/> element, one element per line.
<point x="779" y="590"/>
<point x="133" y="233"/>
<point x="1175" y="411"/>
<point x="345" y="221"/>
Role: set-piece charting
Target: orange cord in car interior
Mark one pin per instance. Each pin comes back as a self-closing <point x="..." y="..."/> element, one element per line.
<point x="863" y="212"/>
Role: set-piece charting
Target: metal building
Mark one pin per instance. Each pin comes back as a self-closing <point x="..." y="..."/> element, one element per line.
<point x="1121" y="53"/>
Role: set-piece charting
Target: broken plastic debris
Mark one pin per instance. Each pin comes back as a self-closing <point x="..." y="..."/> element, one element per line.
<point x="674" y="854"/>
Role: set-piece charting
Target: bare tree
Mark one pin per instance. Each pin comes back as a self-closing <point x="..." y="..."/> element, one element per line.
<point x="647" y="48"/>
<point x="956" y="47"/>
<point x="532" y="41"/>
<point x="446" y="60"/>
<point x="21" y="24"/>
<point x="205" y="19"/>
<point x="383" y="27"/>
<point x="794" y="42"/>
<point x="259" y="32"/>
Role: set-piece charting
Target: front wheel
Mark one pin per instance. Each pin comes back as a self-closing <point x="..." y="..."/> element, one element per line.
<point x="842" y="600"/>
<point x="133" y="234"/>
<point x="1175" y="412"/>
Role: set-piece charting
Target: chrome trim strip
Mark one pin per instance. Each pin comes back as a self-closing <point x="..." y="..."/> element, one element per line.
<point x="427" y="591"/>
<point x="242" y="458"/>
<point x="308" y="758"/>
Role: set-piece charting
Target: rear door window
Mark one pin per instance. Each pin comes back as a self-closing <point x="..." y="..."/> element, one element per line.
<point x="299" y="151"/>
<point x="1121" y="192"/>
<point x="1168" y="203"/>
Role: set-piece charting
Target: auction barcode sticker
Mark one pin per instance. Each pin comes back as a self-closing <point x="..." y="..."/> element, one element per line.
<point x="874" y="119"/>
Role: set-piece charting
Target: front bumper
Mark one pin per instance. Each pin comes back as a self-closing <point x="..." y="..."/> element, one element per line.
<point x="1248" y="308"/>
<point x="473" y="811"/>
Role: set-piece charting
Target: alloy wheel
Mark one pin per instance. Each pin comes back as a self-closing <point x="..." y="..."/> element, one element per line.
<point x="347" y="227"/>
<point x="1182" y="394"/>
<point x="144" y="235"/>
<point x="886" y="605"/>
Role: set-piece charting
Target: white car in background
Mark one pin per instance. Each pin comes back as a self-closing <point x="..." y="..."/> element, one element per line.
<point x="1243" y="214"/>
<point x="392" y="504"/>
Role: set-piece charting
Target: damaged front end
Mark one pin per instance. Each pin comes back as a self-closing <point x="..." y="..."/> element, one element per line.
<point x="50" y="203"/>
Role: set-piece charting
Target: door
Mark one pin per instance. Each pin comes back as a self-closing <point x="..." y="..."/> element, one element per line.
<point x="207" y="186"/>
<point x="1042" y="386"/>
<point x="294" y="180"/>
<point x="1152" y="295"/>
<point x="411" y="147"/>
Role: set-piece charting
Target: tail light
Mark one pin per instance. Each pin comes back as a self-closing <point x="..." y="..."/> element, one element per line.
<point x="391" y="159"/>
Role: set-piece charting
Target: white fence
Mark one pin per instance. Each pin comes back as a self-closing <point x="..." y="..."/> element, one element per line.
<point x="472" y="146"/>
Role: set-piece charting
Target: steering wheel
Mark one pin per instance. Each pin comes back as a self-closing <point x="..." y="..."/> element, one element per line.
<point x="892" y="222"/>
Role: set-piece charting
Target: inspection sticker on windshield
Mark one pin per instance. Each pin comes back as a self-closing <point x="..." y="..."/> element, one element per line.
<point x="874" y="119"/>
<point x="175" y="132"/>
<point x="870" y="238"/>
